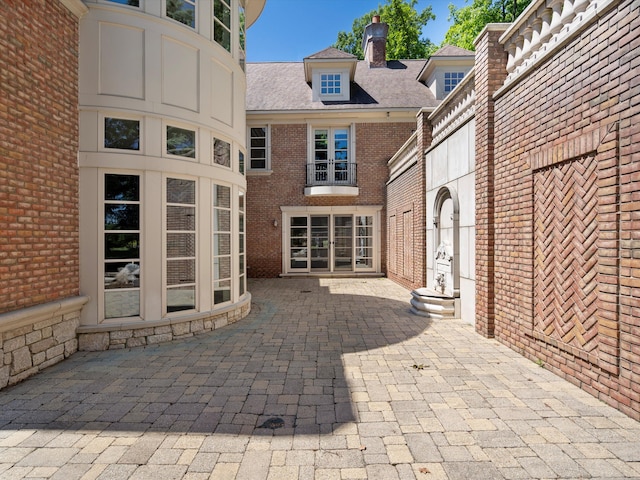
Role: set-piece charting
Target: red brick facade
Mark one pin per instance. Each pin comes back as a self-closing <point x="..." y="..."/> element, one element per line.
<point x="375" y="145"/>
<point x="38" y="148"/>
<point x="406" y="217"/>
<point x="558" y="202"/>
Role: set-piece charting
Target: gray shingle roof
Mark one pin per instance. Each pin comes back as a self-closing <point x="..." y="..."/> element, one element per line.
<point x="282" y="86"/>
<point x="453" y="51"/>
<point x="331" y="52"/>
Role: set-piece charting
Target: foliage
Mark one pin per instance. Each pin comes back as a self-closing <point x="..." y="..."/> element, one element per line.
<point x="181" y="11"/>
<point x="468" y="21"/>
<point x="405" y="28"/>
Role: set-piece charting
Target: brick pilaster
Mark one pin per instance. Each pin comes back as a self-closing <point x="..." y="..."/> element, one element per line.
<point x="490" y="72"/>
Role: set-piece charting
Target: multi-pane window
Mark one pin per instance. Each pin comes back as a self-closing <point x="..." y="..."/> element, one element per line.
<point x="131" y="3"/>
<point x="121" y="133"/>
<point x="221" y="152"/>
<point x="184" y="11"/>
<point x="241" y="242"/>
<point x="222" y="23"/>
<point x="330" y="84"/>
<point x="258" y="148"/>
<point x="181" y="142"/>
<point x="180" y="244"/>
<point x="364" y="241"/>
<point x="121" y="246"/>
<point x="221" y="244"/>
<point x="451" y="79"/>
<point x="330" y="163"/>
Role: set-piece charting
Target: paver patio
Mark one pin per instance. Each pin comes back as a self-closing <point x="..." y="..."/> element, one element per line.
<point x="326" y="379"/>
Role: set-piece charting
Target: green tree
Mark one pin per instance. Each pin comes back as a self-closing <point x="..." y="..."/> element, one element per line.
<point x="404" y="40"/>
<point x="468" y="21"/>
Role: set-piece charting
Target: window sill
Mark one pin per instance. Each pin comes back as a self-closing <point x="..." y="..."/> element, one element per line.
<point x="259" y="173"/>
<point x="331" y="191"/>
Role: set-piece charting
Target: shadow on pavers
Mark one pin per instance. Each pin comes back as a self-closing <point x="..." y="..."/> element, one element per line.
<point x="283" y="369"/>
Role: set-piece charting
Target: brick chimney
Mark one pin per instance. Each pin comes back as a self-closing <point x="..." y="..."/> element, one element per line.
<point x="374" y="43"/>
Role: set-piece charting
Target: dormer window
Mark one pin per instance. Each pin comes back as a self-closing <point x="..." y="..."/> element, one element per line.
<point x="451" y="79"/>
<point x="330" y="84"/>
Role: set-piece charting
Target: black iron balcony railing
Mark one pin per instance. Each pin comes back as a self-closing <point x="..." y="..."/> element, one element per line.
<point x="331" y="173"/>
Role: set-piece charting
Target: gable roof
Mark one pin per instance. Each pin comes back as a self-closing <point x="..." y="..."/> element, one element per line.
<point x="453" y="51"/>
<point x="281" y="86"/>
<point x="330" y="53"/>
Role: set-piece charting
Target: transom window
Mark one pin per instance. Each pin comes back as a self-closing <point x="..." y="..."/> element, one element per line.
<point x="121" y="133"/>
<point x="451" y="79"/>
<point x="221" y="152"/>
<point x="222" y="23"/>
<point x="330" y="84"/>
<point x="183" y="11"/>
<point x="181" y="142"/>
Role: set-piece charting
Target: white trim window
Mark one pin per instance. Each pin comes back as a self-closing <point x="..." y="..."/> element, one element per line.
<point x="221" y="254"/>
<point x="451" y="80"/>
<point x="330" y="157"/>
<point x="330" y="84"/>
<point x="242" y="37"/>
<point x="221" y="153"/>
<point x="242" y="277"/>
<point x="259" y="148"/>
<point x="222" y="23"/>
<point x="180" y="244"/>
<point x="180" y="142"/>
<point x="121" y="133"/>
<point x="183" y="11"/>
<point x="121" y="245"/>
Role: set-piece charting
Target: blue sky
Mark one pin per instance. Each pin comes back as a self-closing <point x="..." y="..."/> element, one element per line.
<point x="289" y="30"/>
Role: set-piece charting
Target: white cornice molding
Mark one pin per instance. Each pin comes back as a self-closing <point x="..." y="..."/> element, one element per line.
<point x="77" y="7"/>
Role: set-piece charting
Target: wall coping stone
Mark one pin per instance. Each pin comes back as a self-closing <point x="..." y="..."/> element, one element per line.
<point x="37" y="313"/>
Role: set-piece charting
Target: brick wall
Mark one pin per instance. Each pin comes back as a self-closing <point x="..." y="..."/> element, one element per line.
<point x="375" y="145"/>
<point x="567" y="211"/>
<point x="38" y="153"/>
<point x="490" y="72"/>
<point x="406" y="204"/>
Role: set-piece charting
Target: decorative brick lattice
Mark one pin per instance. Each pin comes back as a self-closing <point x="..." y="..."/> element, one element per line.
<point x="566" y="255"/>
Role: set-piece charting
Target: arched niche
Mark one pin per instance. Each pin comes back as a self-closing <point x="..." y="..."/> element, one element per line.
<point x="446" y="242"/>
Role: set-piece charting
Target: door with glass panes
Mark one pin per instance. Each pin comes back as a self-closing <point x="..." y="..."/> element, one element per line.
<point x="330" y="243"/>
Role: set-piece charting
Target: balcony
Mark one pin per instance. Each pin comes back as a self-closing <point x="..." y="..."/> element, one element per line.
<point x="331" y="178"/>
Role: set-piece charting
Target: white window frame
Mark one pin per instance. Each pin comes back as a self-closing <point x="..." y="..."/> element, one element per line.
<point x="165" y="232"/>
<point x="101" y="133"/>
<point x="102" y="318"/>
<point x="213" y="151"/>
<point x="316" y="85"/>
<point x="267" y="160"/>
<point x="456" y="77"/>
<point x="331" y="128"/>
<point x="115" y="2"/>
<point x="289" y="212"/>
<point x="165" y="151"/>
<point x="195" y="14"/>
<point x="242" y="243"/>
<point x="216" y="23"/>
<point x="233" y="230"/>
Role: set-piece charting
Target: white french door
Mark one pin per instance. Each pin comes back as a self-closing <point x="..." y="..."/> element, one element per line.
<point x="339" y="242"/>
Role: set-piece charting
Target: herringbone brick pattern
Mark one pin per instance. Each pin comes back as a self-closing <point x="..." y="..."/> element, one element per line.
<point x="565" y="235"/>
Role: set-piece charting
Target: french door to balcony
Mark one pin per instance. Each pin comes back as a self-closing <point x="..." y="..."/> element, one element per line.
<point x="330" y="243"/>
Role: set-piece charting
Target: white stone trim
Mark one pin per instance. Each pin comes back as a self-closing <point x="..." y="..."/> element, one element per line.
<point x="459" y="114"/>
<point x="76" y="7"/>
<point x="38" y="313"/>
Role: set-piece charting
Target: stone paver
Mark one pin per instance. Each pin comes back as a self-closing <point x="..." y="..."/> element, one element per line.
<point x="325" y="379"/>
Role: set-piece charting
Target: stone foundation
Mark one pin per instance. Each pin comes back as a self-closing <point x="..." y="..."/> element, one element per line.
<point x="118" y="336"/>
<point x="35" y="338"/>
